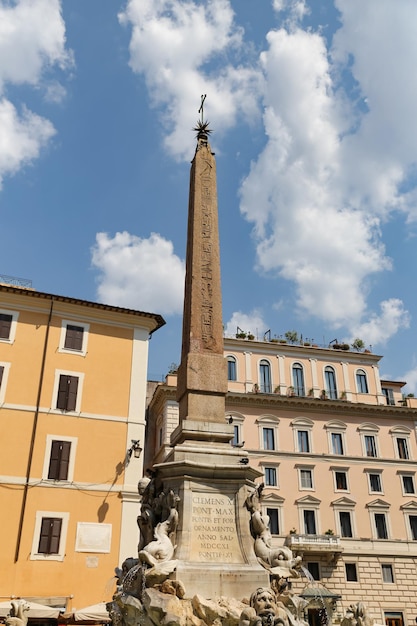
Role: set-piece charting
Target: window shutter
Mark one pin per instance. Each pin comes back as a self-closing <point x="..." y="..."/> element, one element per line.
<point x="72" y="393"/>
<point x="74" y="337"/>
<point x="1" y="373"/>
<point x="67" y="393"/>
<point x="5" y="325"/>
<point x="50" y="535"/>
<point x="59" y="461"/>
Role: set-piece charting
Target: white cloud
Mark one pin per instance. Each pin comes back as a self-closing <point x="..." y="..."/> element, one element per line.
<point x="248" y="322"/>
<point x="142" y="274"/>
<point x="380" y="328"/>
<point x="172" y="43"/>
<point x="32" y="41"/>
<point x="21" y="137"/>
<point x="411" y="378"/>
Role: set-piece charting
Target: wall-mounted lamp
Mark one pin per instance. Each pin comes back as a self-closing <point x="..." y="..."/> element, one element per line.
<point x="134" y="449"/>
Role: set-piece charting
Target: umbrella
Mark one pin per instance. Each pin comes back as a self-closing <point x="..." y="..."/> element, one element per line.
<point x="37" y="611"/>
<point x="93" y="613"/>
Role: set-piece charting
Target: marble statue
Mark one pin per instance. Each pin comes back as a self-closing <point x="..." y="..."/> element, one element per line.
<point x="356" y="615"/>
<point x="17" y="616"/>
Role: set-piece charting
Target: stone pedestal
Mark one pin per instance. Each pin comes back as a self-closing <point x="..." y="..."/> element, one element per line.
<point x="214" y="553"/>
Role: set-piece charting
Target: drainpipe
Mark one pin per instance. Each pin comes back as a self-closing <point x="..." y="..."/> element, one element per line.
<point x="32" y="441"/>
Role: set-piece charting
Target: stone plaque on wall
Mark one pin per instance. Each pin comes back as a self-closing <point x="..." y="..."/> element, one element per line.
<point x="213" y="529"/>
<point x="93" y="537"/>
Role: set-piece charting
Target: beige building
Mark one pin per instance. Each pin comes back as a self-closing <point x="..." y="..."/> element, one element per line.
<point x="337" y="449"/>
<point x="72" y="406"/>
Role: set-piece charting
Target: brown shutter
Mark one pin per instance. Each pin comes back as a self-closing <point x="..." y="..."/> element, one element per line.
<point x="5" y="325"/>
<point x="74" y="337"/>
<point x="1" y="373"/>
<point x="59" y="461"/>
<point x="50" y="535"/>
<point x="72" y="393"/>
<point x="67" y="392"/>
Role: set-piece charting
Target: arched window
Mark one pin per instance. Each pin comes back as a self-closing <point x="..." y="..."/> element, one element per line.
<point x="231" y="368"/>
<point x="330" y="378"/>
<point x="298" y="379"/>
<point x="265" y="376"/>
<point x="361" y="382"/>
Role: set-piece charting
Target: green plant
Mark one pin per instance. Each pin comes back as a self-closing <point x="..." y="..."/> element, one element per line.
<point x="291" y="336"/>
<point x="358" y="344"/>
<point x="343" y="395"/>
<point x="311" y="393"/>
<point x="250" y="336"/>
<point x="277" y="390"/>
<point x="173" y="368"/>
<point x="256" y="388"/>
<point x="323" y="395"/>
<point x="410" y="395"/>
<point x="293" y="531"/>
<point x="329" y="532"/>
<point x="241" y="335"/>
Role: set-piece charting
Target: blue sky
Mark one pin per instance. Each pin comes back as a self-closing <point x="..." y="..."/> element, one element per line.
<point x="312" y="105"/>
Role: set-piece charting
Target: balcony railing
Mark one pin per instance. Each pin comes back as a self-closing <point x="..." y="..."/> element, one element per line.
<point x="315" y="544"/>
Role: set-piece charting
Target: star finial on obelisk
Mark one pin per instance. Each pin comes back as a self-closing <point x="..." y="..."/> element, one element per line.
<point x="202" y="128"/>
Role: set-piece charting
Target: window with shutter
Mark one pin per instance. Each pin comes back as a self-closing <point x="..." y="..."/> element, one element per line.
<point x="67" y="392"/>
<point x="74" y="337"/>
<point x="5" y="325"/>
<point x="50" y="535"/>
<point x="59" y="460"/>
<point x="1" y="374"/>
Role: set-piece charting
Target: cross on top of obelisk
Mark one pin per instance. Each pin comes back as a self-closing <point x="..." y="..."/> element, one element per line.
<point x="202" y="129"/>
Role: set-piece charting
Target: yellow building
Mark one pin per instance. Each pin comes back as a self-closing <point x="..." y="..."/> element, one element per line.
<point x="72" y="403"/>
<point x="337" y="449"/>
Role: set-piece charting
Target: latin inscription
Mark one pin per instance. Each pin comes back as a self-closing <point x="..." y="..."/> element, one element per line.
<point x="213" y="529"/>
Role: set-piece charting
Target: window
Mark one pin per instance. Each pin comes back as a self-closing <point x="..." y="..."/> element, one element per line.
<point x="74" y="337"/>
<point x="265" y="376"/>
<point x="330" y="379"/>
<point x="389" y="395"/>
<point x="314" y="570"/>
<point x="303" y="441"/>
<point x="381" y="526"/>
<point x="413" y="526"/>
<point x="59" y="460"/>
<point x="298" y="379"/>
<point x="393" y="619"/>
<point x="1" y="373"/>
<point x="370" y="445"/>
<point x="268" y="439"/>
<point x="309" y="522"/>
<point x="49" y="537"/>
<point x="5" y="325"/>
<point x="351" y="572"/>
<point x="306" y="478"/>
<point x="345" y="524"/>
<point x="270" y="476"/>
<point x="375" y="484"/>
<point x="340" y="479"/>
<point x="408" y="483"/>
<point x="236" y="435"/>
<point x="231" y="368"/>
<point x="273" y="521"/>
<point x="361" y="382"/>
<point x="67" y="392"/>
<point x="337" y="443"/>
<point x="402" y="448"/>
<point x="387" y="573"/>
<point x="8" y="322"/>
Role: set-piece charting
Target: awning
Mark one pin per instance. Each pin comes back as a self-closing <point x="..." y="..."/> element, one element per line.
<point x="36" y="611"/>
<point x="93" y="613"/>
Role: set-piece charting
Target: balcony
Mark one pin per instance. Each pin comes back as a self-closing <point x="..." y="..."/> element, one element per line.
<point x="325" y="545"/>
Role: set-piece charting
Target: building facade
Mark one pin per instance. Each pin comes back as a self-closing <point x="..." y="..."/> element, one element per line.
<point x="72" y="418"/>
<point x="337" y="449"/>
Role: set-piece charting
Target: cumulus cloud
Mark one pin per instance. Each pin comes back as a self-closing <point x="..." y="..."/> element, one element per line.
<point x="137" y="273"/>
<point x="171" y="45"/>
<point x="380" y="328"/>
<point x="248" y="322"/>
<point x="32" y="41"/>
<point x="332" y="167"/>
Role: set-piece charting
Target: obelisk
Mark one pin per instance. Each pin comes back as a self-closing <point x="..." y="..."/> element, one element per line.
<point x="202" y="375"/>
<point x="214" y="548"/>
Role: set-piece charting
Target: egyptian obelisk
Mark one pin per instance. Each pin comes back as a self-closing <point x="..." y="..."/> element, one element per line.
<point x="211" y="478"/>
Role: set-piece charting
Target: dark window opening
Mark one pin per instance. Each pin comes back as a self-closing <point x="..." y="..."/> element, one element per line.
<point x="5" y="325"/>
<point x="402" y="448"/>
<point x="345" y="524"/>
<point x="381" y="526"/>
<point x="231" y="368"/>
<point x="273" y="521"/>
<point x="375" y="482"/>
<point x="74" y="337"/>
<point x="269" y="439"/>
<point x="351" y="572"/>
<point x="59" y="461"/>
<point x="50" y="535"/>
<point x="270" y="476"/>
<point x="341" y="481"/>
<point x="314" y="570"/>
<point x="309" y="522"/>
<point x="67" y="392"/>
